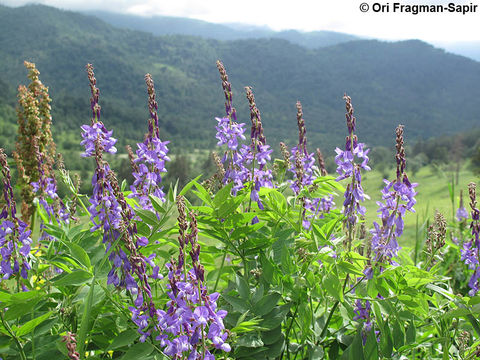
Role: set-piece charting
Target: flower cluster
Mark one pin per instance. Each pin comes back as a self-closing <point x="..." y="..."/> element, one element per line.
<point x="192" y="321"/>
<point x="243" y="163"/>
<point x="362" y="315"/>
<point x="398" y="196"/>
<point x="110" y="212"/>
<point x="46" y="190"/>
<point x="97" y="132"/>
<point x="462" y="213"/>
<point x="15" y="241"/>
<point x="149" y="165"/>
<point x="302" y="163"/>
<point x="348" y="168"/>
<point x="471" y="249"/>
<point x="259" y="152"/>
<point x="229" y="132"/>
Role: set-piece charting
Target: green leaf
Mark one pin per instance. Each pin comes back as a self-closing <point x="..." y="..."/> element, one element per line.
<point x="222" y="195"/>
<point x="202" y="193"/>
<point x="349" y="268"/>
<point x="275" y="317"/>
<point x="251" y="340"/>
<point x="370" y="349"/>
<point x="157" y="204"/>
<point x="266" y="304"/>
<point x="386" y="341"/>
<point x="16" y="310"/>
<point x="79" y="254"/>
<point x="333" y="286"/>
<point x="238" y="304"/>
<point x="398" y="335"/>
<point x="138" y="351"/>
<point x="229" y="206"/>
<point x="25" y="296"/>
<point x="243" y="288"/>
<point x="148" y="216"/>
<point x="125" y="338"/>
<point x="411" y="333"/>
<point x="317" y="353"/>
<point x="76" y="277"/>
<point x="32" y="324"/>
<point x="272" y="336"/>
<point x="189" y="185"/>
<point x="355" y="350"/>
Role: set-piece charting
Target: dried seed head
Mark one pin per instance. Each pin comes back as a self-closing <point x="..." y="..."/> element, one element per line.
<point x="400" y="156"/>
<point x="321" y="163"/>
<point x="131" y="157"/>
<point x="257" y="136"/>
<point x="302" y="131"/>
<point x="153" y="128"/>
<point x="182" y="221"/>
<point x="95" y="94"/>
<point x="286" y="155"/>
<point x="227" y="90"/>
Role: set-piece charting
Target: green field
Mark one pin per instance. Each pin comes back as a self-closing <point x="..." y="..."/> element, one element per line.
<point x="433" y="194"/>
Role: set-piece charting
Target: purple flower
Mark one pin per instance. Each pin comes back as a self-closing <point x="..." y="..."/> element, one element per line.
<point x="192" y="315"/>
<point x="471" y="249"/>
<point x="97" y="133"/>
<point x="15" y="240"/>
<point x="348" y="168"/>
<point x="398" y="197"/>
<point x="149" y="166"/>
<point x="462" y="214"/>
<point x="362" y="315"/>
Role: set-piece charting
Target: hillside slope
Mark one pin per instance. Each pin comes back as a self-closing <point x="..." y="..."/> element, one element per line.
<point x="409" y="82"/>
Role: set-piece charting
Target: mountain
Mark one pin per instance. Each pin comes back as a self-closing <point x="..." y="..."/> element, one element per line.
<point x="469" y="49"/>
<point x="408" y="82"/>
<point x="170" y="25"/>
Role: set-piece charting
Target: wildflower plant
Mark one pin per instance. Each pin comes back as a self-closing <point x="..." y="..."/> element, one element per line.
<point x="149" y="165"/>
<point x="253" y="267"/>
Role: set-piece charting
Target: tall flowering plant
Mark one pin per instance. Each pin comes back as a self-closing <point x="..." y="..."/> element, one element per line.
<point x="149" y="165"/>
<point x="348" y="168"/>
<point x="399" y="197"/>
<point x="192" y="323"/>
<point x="470" y="253"/>
<point x="15" y="236"/>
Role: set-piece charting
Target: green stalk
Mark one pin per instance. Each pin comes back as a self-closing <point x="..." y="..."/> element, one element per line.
<point x="220" y="271"/>
<point x="82" y="333"/>
<point x="12" y="334"/>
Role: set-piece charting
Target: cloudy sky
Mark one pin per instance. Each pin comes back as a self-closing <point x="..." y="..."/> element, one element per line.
<point x="336" y="15"/>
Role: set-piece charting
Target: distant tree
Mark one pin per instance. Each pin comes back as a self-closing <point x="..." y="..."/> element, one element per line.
<point x="179" y="169"/>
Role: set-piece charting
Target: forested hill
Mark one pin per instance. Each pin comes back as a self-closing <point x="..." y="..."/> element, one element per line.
<point x="409" y="82"/>
<point x="170" y="25"/>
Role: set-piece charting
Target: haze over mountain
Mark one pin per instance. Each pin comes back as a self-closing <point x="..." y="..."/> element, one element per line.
<point x="409" y="82"/>
<point x="169" y="25"/>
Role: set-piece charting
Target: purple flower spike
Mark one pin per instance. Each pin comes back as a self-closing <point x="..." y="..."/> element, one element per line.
<point x="398" y="196"/>
<point x="192" y="315"/>
<point x="471" y="249"/>
<point x="149" y="166"/>
<point x="15" y="240"/>
<point x="348" y="168"/>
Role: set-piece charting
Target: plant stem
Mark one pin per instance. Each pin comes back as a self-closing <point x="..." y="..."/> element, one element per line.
<point x="17" y="341"/>
<point x="220" y="271"/>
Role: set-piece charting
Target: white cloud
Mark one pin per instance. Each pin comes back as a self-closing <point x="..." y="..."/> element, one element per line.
<point x="308" y="15"/>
